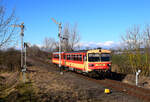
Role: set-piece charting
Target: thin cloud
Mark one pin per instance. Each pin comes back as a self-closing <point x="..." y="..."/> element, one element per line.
<point x="106" y="44"/>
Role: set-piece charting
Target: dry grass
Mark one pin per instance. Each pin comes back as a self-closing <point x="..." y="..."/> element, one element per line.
<point x="52" y="86"/>
<point x="143" y="81"/>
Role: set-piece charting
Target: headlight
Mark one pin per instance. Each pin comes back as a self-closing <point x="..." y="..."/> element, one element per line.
<point x="108" y="64"/>
<point x="91" y="65"/>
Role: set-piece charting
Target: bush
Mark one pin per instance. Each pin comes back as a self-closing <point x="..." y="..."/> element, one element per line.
<point x="121" y="62"/>
<point x="130" y="63"/>
<point x="10" y="60"/>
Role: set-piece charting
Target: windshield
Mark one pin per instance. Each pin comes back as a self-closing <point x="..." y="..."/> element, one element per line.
<point x="105" y="57"/>
<point x="96" y="57"/>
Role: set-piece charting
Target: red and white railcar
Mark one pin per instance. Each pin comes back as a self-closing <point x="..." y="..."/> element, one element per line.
<point x="98" y="60"/>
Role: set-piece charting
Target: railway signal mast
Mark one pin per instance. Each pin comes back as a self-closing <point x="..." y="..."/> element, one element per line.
<point x="22" y="48"/>
<point x="60" y="37"/>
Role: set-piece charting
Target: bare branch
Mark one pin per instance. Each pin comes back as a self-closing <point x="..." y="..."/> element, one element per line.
<point x="6" y="32"/>
<point x="48" y="44"/>
<point x="73" y="37"/>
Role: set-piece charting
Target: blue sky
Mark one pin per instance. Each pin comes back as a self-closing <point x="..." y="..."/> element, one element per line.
<point x="99" y="21"/>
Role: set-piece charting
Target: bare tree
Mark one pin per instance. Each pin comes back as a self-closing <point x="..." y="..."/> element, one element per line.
<point x="146" y="37"/>
<point x="137" y="49"/>
<point x="75" y="38"/>
<point x="56" y="46"/>
<point x="48" y="44"/>
<point x="65" y="42"/>
<point x="146" y="45"/>
<point x="6" y="31"/>
<point x="132" y="39"/>
<point x="72" y="36"/>
<point x="133" y="42"/>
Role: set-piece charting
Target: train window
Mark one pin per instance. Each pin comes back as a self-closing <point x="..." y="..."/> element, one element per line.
<point x="56" y="56"/>
<point x="73" y="58"/>
<point x="70" y="57"/>
<point x="105" y="57"/>
<point x="94" y="57"/>
<point x="77" y="57"/>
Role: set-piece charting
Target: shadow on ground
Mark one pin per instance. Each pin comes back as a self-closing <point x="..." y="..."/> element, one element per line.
<point x="117" y="76"/>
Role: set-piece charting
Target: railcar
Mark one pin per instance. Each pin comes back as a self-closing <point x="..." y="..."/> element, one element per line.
<point x="88" y="61"/>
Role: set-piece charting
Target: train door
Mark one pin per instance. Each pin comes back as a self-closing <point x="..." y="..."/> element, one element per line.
<point x="85" y="62"/>
<point x="63" y="59"/>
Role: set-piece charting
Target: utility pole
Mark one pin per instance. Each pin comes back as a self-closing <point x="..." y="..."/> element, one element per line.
<point x="22" y="48"/>
<point x="60" y="37"/>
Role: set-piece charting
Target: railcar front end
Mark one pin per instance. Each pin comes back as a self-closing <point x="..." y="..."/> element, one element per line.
<point x="99" y="61"/>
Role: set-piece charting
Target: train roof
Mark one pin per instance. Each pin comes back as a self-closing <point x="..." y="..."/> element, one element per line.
<point x="85" y="51"/>
<point x="80" y="51"/>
